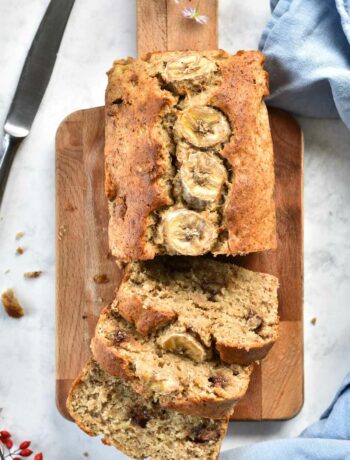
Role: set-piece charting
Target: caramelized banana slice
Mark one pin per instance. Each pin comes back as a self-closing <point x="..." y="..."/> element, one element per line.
<point x="183" y="344"/>
<point x="202" y="126"/>
<point x="187" y="232"/>
<point x="188" y="67"/>
<point x="202" y="176"/>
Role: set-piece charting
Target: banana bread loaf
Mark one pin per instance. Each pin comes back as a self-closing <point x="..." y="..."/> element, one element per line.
<point x="104" y="405"/>
<point x="188" y="155"/>
<point x="220" y="305"/>
<point x="179" y="378"/>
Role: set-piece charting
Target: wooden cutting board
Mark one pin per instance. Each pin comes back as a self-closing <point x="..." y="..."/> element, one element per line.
<point x="276" y="389"/>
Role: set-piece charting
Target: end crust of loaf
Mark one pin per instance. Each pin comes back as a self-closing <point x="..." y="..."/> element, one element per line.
<point x="104" y="405"/>
<point x="228" y="307"/>
<point x="209" y="389"/>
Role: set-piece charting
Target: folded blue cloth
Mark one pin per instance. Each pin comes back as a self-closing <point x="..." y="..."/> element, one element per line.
<point x="307" y="44"/>
<point x="327" y="439"/>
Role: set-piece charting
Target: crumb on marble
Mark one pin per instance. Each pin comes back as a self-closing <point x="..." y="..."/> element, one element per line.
<point x="11" y="304"/>
<point x="101" y="279"/>
<point x="7" y="271"/>
<point x="85" y="454"/>
<point x="34" y="274"/>
<point x="20" y="250"/>
<point x="313" y="321"/>
<point x="19" y="235"/>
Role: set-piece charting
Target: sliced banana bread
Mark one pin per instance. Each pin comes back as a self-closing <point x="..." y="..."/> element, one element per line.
<point x="216" y="304"/>
<point x="186" y="377"/>
<point x="189" y="159"/>
<point x="105" y="405"/>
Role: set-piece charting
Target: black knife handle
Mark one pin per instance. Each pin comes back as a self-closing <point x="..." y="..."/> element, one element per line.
<point x="8" y="149"/>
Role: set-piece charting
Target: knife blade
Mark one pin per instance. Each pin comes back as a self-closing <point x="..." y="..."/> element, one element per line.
<point x="33" y="81"/>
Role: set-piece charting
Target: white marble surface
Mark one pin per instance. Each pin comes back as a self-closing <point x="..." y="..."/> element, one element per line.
<point x="97" y="33"/>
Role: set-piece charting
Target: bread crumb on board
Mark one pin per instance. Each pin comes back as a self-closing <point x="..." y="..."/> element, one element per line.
<point x="11" y="304"/>
<point x="101" y="279"/>
<point x="20" y="250"/>
<point x="34" y="274"/>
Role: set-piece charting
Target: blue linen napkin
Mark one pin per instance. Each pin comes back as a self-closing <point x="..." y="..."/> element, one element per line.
<point x="307" y="44"/>
<point x="327" y="439"/>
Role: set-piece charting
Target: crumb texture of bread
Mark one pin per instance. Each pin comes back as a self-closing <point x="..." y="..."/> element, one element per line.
<point x="178" y="373"/>
<point x="226" y="307"/>
<point x="188" y="155"/>
<point x="104" y="405"/>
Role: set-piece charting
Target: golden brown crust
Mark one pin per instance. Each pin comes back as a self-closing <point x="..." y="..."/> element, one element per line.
<point x="133" y="162"/>
<point x="243" y="356"/>
<point x="250" y="211"/>
<point x="136" y="166"/>
<point x="145" y="320"/>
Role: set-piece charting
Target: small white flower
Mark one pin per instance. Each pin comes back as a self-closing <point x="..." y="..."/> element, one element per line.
<point x="193" y="13"/>
<point x="201" y="19"/>
<point x="189" y="12"/>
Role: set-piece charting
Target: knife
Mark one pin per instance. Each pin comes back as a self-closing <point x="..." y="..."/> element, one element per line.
<point x="32" y="84"/>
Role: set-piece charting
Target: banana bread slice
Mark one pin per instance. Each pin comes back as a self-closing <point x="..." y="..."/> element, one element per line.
<point x="186" y="378"/>
<point x="188" y="155"/>
<point x="105" y="405"/>
<point x="224" y="306"/>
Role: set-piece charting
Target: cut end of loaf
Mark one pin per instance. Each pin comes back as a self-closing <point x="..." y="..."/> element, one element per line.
<point x="105" y="405"/>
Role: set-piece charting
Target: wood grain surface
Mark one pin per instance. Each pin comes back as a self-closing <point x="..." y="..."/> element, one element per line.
<point x="276" y="389"/>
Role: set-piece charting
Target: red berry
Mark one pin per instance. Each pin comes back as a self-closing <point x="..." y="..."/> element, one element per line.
<point x="24" y="444"/>
<point x="5" y="434"/>
<point x="38" y="456"/>
<point x="25" y="453"/>
<point x="8" y="443"/>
